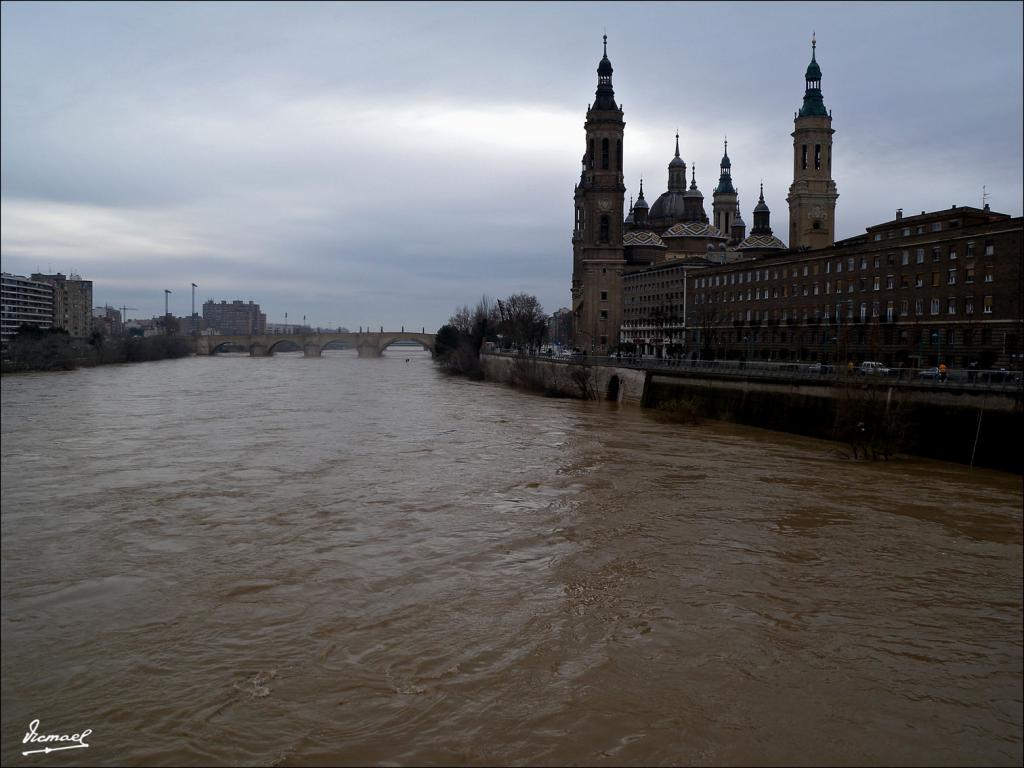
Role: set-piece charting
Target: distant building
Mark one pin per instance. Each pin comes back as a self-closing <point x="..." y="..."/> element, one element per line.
<point x="560" y="327"/>
<point x="72" y="303"/>
<point x="107" y="321"/>
<point x="24" y="302"/>
<point x="237" y="318"/>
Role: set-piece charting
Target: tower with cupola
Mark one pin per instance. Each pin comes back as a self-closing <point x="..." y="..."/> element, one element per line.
<point x="724" y="206"/>
<point x="598" y="259"/>
<point x="812" y="196"/>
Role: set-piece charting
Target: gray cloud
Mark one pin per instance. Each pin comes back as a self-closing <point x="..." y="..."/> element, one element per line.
<point x="369" y="164"/>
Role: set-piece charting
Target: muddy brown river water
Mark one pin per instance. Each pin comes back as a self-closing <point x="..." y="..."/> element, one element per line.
<point x="291" y="561"/>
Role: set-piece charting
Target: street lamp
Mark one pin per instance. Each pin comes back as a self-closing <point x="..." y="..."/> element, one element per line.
<point x="194" y="286"/>
<point x="167" y="314"/>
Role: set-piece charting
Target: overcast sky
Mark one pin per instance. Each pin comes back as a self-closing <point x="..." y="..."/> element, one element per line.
<point x="379" y="164"/>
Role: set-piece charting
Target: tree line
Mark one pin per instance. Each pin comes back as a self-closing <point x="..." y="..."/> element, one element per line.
<point x="52" y="349"/>
<point x="516" y="323"/>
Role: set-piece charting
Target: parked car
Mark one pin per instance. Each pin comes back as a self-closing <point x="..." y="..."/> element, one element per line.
<point x="819" y="368"/>
<point x="872" y="368"/>
<point x="928" y="373"/>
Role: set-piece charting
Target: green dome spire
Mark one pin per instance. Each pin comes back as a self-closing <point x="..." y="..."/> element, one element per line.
<point x="814" y="105"/>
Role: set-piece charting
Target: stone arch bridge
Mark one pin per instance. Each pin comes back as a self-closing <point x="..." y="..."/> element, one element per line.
<point x="311" y="344"/>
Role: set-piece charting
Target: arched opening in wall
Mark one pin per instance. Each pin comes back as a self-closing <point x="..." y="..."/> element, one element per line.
<point x="613" y="389"/>
<point x="337" y="345"/>
<point x="229" y="348"/>
<point x="285" y="345"/>
<point x="605" y="235"/>
<point x="604" y="154"/>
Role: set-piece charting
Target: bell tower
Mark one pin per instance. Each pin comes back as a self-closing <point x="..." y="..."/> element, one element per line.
<point x="598" y="256"/>
<point x="812" y="196"/>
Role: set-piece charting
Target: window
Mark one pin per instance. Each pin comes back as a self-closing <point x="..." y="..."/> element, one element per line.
<point x="890" y="282"/>
<point x="605" y="225"/>
<point x="904" y="308"/>
<point x="988" y="305"/>
<point x="604" y="154"/>
<point x="936" y="279"/>
<point x="919" y="306"/>
<point x="863" y="311"/>
<point x="890" y="310"/>
<point x="890" y="259"/>
<point x="805" y="270"/>
<point x="935" y="306"/>
<point x="906" y="232"/>
<point x="604" y="314"/>
<point x="851" y="263"/>
<point x="618" y="154"/>
<point x="877" y="261"/>
<point x="905" y="258"/>
<point x="920" y="255"/>
<point x="990" y="248"/>
<point x="817" y="156"/>
<point x="815" y="289"/>
<point x="988" y="273"/>
<point x="863" y="262"/>
<point x="951" y="279"/>
<point x="604" y="295"/>
<point x="952" y="253"/>
<point x="919" y="280"/>
<point x="828" y="267"/>
<point x="951" y="305"/>
<point x="920" y="230"/>
<point x="935" y="253"/>
<point x="862" y="283"/>
<point x="849" y="286"/>
<point x="878" y="236"/>
<point x="803" y="157"/>
<point x="970" y="249"/>
<point x="904" y="281"/>
<point x="937" y="226"/>
<point x="876" y="283"/>
<point x="839" y="286"/>
<point x="969" y="275"/>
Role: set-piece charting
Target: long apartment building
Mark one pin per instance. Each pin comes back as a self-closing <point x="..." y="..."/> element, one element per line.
<point x="24" y="301"/>
<point x="915" y="291"/>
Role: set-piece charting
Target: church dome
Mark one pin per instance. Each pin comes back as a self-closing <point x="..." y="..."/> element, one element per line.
<point x="676" y="162"/>
<point x="671" y="205"/>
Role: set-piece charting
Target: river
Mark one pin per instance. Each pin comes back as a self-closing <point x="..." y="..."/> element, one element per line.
<point x="313" y="561"/>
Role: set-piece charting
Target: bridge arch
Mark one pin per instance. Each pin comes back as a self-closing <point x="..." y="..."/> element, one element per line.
<point x="426" y="341"/>
<point x="220" y="346"/>
<point x="273" y="346"/>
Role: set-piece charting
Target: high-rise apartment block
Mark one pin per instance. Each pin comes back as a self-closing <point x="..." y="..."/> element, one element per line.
<point x="24" y="302"/>
<point x="236" y="318"/>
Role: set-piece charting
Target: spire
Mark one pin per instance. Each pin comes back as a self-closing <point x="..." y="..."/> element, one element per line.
<point x="677" y="142"/>
<point x="605" y="99"/>
<point x="813" y="105"/>
<point x="693" y="176"/>
<point x="762" y="216"/>
<point x="725" y="174"/>
<point x="640" y="202"/>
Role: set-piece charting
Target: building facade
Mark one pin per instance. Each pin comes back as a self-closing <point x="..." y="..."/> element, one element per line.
<point x="944" y="286"/>
<point x="237" y="318"/>
<point x="24" y="301"/>
<point x="72" y="303"/>
<point x="915" y="291"/>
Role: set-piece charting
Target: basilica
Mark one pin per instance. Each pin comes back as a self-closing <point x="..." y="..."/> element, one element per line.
<point x="610" y="242"/>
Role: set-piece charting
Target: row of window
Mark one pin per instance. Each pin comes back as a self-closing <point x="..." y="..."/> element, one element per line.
<point x="851" y="263"/>
<point x="951" y="305"/>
